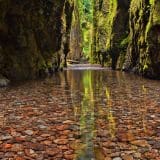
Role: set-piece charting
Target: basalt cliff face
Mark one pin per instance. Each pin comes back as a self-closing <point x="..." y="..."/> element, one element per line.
<point x="75" y="36"/>
<point x="129" y="33"/>
<point x="143" y="53"/>
<point x="33" y="36"/>
<point x="111" y="27"/>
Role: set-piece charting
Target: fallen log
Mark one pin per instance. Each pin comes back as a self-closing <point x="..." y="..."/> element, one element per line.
<point x="72" y="61"/>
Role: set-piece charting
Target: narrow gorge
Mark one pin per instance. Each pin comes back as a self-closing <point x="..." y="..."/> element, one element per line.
<point x="36" y="37"/>
<point x="79" y="79"/>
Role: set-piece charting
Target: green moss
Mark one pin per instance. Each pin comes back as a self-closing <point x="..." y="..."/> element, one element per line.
<point x="41" y="64"/>
<point x="35" y="34"/>
<point x="154" y="16"/>
<point x="124" y="42"/>
<point x="110" y="19"/>
<point x="152" y="2"/>
<point x="135" y="5"/>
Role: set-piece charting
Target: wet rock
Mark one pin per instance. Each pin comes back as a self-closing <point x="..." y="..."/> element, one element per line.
<point x="42" y="126"/>
<point x="7" y="146"/>
<point x="17" y="147"/>
<point x="109" y="144"/>
<point x="108" y="158"/>
<point x="104" y="133"/>
<point x="152" y="154"/>
<point x="40" y="157"/>
<point x="45" y="135"/>
<point x="19" y="158"/>
<point x="73" y="127"/>
<point x="127" y="157"/>
<point x="47" y="142"/>
<point x="29" y="152"/>
<point x="38" y="147"/>
<point x="20" y="139"/>
<point x="41" y="144"/>
<point x="68" y="122"/>
<point x="107" y="151"/>
<point x="117" y="158"/>
<point x="8" y="155"/>
<point x="69" y="157"/>
<point x="67" y="133"/>
<point x="124" y="137"/>
<point x="156" y="145"/>
<point x="61" y="141"/>
<point x="4" y="82"/>
<point x="52" y="152"/>
<point x="6" y="137"/>
<point x="63" y="147"/>
<point x="69" y="152"/>
<point x="62" y="127"/>
<point x="137" y="155"/>
<point x="140" y="143"/>
<point x="29" y="132"/>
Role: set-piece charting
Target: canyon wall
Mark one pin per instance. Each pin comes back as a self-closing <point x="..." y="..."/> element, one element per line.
<point x="127" y="35"/>
<point x="143" y="53"/>
<point x="37" y="36"/>
<point x="34" y="35"/>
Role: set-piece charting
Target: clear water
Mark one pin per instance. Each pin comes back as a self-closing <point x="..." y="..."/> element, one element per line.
<point x="110" y="109"/>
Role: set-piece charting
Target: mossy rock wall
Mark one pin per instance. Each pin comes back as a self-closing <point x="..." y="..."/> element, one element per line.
<point x="111" y="29"/>
<point x="31" y="36"/>
<point x="75" y="36"/>
<point x="143" y="55"/>
<point x="119" y="34"/>
<point x="129" y="31"/>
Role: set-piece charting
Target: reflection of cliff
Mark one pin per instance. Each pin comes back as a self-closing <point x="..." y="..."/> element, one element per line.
<point x="84" y="96"/>
<point x="87" y="119"/>
<point x="110" y="117"/>
<point x="144" y="110"/>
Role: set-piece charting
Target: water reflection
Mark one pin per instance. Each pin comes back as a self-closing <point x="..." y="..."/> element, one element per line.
<point x="109" y="113"/>
<point x="87" y="120"/>
<point x="107" y="106"/>
<point x="2" y="120"/>
<point x="88" y="91"/>
<point x="101" y="114"/>
<point x="144" y="110"/>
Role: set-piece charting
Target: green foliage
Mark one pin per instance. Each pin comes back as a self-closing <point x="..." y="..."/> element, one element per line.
<point x="85" y="8"/>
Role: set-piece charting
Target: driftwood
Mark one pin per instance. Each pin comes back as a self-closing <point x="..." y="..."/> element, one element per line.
<point x="72" y="61"/>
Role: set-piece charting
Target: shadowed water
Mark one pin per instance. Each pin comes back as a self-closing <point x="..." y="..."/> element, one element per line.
<point x="89" y="113"/>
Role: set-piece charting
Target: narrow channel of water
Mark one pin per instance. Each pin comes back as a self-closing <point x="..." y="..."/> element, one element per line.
<point x="113" y="107"/>
<point x="82" y="113"/>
